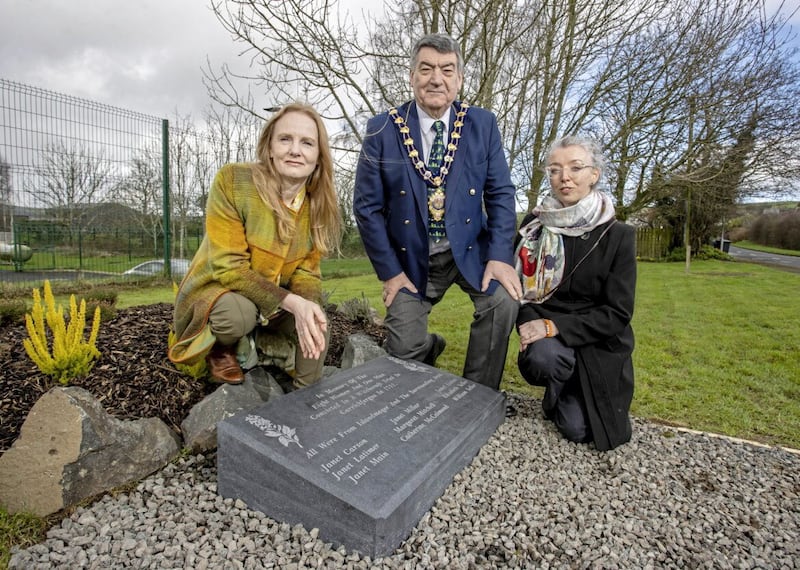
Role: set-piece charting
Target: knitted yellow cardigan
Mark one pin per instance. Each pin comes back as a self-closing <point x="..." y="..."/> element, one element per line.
<point x="241" y="252"/>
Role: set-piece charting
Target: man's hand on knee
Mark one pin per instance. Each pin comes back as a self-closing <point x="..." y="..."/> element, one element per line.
<point x="504" y="274"/>
<point x="392" y="286"/>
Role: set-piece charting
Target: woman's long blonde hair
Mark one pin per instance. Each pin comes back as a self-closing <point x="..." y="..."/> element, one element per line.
<point x="326" y="220"/>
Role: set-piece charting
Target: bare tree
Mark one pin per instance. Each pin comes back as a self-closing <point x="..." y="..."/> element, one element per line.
<point x="526" y="60"/>
<point x="69" y="180"/>
<point x="710" y="115"/>
<point x="141" y="189"/>
<point x="713" y="71"/>
<point x="232" y="133"/>
<point x="299" y="49"/>
<point x="203" y="167"/>
<point x="188" y="176"/>
<point x="624" y="71"/>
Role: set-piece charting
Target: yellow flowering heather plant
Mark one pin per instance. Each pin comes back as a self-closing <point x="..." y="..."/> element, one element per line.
<point x="71" y="356"/>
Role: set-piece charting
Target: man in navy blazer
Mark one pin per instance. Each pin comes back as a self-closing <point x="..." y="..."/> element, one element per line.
<point x="428" y="224"/>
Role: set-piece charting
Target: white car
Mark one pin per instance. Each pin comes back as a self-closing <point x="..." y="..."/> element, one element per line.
<point x="156" y="267"/>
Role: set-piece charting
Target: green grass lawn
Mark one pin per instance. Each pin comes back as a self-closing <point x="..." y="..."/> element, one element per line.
<point x="718" y="349"/>
<point x="765" y="248"/>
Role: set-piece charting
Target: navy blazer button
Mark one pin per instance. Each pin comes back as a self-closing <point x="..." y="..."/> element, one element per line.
<point x="406" y="222"/>
<point x="469" y="247"/>
<point x="402" y="192"/>
<point x="472" y="191"/>
<point x="402" y="249"/>
<point x="468" y="220"/>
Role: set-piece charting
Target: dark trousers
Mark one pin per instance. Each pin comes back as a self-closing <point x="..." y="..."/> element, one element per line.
<point x="407" y="323"/>
<point x="550" y="363"/>
<point x="234" y="316"/>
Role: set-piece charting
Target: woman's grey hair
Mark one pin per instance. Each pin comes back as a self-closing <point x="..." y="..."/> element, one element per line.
<point x="441" y="43"/>
<point x="589" y="145"/>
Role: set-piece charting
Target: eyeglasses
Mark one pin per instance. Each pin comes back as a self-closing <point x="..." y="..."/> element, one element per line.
<point x="555" y="171"/>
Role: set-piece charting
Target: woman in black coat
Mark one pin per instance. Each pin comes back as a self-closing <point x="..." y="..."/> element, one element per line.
<point x="578" y="270"/>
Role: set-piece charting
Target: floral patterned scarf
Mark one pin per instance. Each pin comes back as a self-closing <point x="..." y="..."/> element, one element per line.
<point x="540" y="254"/>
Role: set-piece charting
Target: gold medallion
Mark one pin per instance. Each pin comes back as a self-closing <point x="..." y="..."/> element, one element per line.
<point x="436" y="205"/>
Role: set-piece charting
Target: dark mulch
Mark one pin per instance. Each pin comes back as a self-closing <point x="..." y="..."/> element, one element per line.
<point x="133" y="378"/>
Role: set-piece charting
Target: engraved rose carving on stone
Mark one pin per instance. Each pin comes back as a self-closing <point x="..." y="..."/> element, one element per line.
<point x="285" y="434"/>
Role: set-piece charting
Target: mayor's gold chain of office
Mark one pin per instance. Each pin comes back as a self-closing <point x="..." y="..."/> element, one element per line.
<point x="413" y="153"/>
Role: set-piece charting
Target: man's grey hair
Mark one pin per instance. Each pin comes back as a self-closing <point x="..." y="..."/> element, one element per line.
<point x="589" y="145"/>
<point x="441" y="43"/>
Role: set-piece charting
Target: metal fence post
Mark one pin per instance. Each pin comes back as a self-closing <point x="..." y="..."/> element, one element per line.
<point x="165" y="195"/>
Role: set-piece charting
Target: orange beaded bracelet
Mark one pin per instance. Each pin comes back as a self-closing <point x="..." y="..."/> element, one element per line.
<point x="548" y="328"/>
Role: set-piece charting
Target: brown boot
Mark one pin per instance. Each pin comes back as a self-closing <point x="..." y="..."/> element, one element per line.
<point x="223" y="366"/>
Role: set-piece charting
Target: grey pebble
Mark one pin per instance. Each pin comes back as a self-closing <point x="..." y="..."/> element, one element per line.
<point x="530" y="499"/>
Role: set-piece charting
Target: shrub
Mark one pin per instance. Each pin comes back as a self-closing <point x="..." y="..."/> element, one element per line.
<point x="357" y="310"/>
<point x="351" y="245"/>
<point x="706" y="252"/>
<point x="739" y="234"/>
<point x="709" y="252"/>
<point x="105" y="300"/>
<point x="106" y="296"/>
<point x="71" y="357"/>
<point x="107" y="311"/>
<point x="12" y="311"/>
<point x="781" y="230"/>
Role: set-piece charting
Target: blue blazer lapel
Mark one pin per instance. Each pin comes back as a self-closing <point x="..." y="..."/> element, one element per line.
<point x="420" y="189"/>
<point x="409" y="113"/>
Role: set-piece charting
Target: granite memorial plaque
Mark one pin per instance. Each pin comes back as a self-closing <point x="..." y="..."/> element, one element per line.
<point x="362" y="455"/>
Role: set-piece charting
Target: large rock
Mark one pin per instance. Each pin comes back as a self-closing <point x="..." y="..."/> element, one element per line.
<point x="70" y="449"/>
<point x="200" y="426"/>
<point x="264" y="383"/>
<point x="358" y="349"/>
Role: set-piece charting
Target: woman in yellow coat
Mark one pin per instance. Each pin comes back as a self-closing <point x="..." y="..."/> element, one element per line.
<point x="268" y="224"/>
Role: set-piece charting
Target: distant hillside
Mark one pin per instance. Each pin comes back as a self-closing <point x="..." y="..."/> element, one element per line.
<point x="104" y="214"/>
<point x="758" y="208"/>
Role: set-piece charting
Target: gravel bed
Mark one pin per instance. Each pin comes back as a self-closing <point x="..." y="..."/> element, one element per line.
<point x="529" y="499"/>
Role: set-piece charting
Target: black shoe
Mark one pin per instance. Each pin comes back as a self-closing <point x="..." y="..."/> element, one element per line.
<point x="436" y="349"/>
<point x="511" y="411"/>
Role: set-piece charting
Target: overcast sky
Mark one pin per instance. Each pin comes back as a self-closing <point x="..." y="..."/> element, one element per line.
<point x="142" y="55"/>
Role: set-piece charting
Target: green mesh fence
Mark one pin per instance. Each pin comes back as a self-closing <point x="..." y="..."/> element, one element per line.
<point x="81" y="184"/>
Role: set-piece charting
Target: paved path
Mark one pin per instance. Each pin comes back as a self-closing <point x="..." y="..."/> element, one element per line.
<point x="787" y="262"/>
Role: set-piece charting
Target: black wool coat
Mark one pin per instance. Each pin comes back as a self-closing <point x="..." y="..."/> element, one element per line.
<point x="592" y="310"/>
